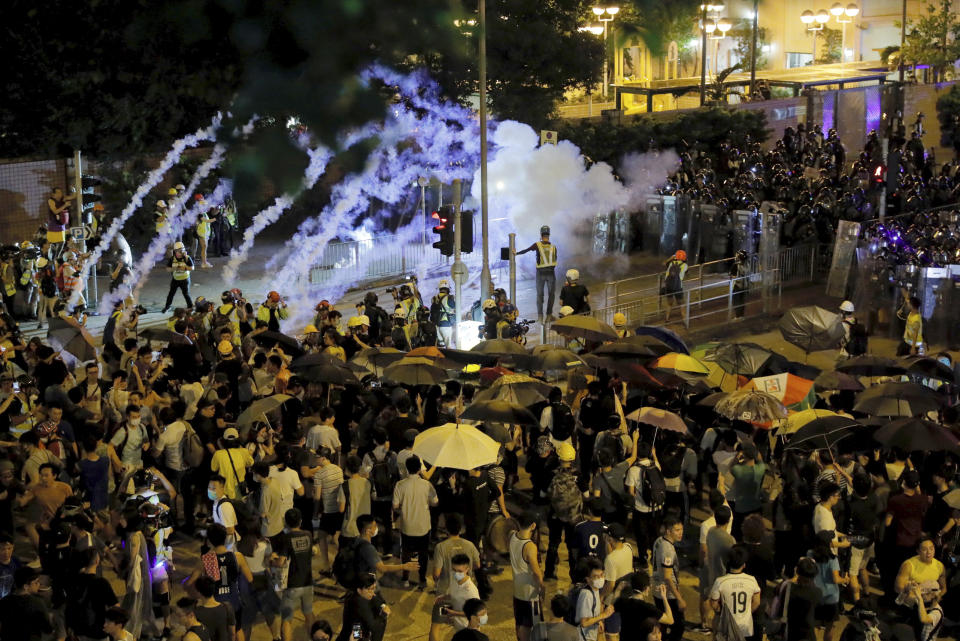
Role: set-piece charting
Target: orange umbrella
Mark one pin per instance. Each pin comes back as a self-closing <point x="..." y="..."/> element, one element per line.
<point x="791" y="390"/>
<point x="426" y="352"/>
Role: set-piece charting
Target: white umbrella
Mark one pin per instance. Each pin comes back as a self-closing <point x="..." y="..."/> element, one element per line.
<point x="460" y="447"/>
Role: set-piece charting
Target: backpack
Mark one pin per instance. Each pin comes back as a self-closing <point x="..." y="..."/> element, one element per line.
<point x="570" y="615"/>
<point x="725" y="627"/>
<point x="777" y="609"/>
<point x="381" y="476"/>
<point x="191" y="448"/>
<point x="653" y="490"/>
<point x="563" y="421"/>
<point x="59" y="276"/>
<point x="220" y="319"/>
<point x="48" y="283"/>
<point x="857" y="345"/>
<point x="344" y="566"/>
<point x="565" y="497"/>
<point x="248" y="522"/>
<point x="672" y="280"/>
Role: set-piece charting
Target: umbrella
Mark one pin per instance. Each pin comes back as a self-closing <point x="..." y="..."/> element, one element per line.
<point x="329" y="374"/>
<point x="288" y="343"/>
<point x="711" y="400"/>
<point x="460" y="447"/>
<point x="798" y="419"/>
<point x="952" y="498"/>
<point x="871" y="366"/>
<point x="794" y="392"/>
<point x="426" y="352"/>
<point x="76" y="341"/>
<point x="642" y="377"/>
<point x="889" y="406"/>
<point x="675" y="362"/>
<point x="837" y="381"/>
<point x="557" y="359"/>
<point x="163" y="335"/>
<point x="740" y="358"/>
<point x="498" y="346"/>
<point x="751" y="405"/>
<point x="259" y="409"/>
<point x="585" y="327"/>
<point x="465" y="357"/>
<point x="516" y="388"/>
<point x="928" y="367"/>
<point x="654" y="344"/>
<point x="500" y="412"/>
<point x="370" y="357"/>
<point x="811" y="328"/>
<point x="412" y="372"/>
<point x="665" y="336"/>
<point x="661" y="419"/>
<point x="313" y="360"/>
<point x="824" y="433"/>
<point x="623" y="349"/>
<point x="719" y="378"/>
<point x="913" y="435"/>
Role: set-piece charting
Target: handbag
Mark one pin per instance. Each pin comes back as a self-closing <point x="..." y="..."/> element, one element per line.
<point x="243" y="488"/>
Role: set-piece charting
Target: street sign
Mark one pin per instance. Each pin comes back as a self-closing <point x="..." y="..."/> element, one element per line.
<point x="81" y="233"/>
<point x="548" y="137"/>
<point x="458" y="271"/>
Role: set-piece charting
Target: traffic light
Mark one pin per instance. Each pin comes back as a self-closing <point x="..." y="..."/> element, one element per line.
<point x="443" y="229"/>
<point x="91" y="191"/>
<point x="466" y="231"/>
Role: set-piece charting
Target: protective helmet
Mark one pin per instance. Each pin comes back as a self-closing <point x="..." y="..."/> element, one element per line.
<point x="225" y="347"/>
<point x="311" y="329"/>
<point x="171" y="192"/>
<point x="573" y="275"/>
<point x="680" y="255"/>
<point x="180" y="187"/>
<point x="42" y="262"/>
<point x="619" y="319"/>
<point x="354" y="321"/>
<point x="98" y="207"/>
<point x="398" y="312"/>
<point x="178" y="245"/>
<point x="545" y="230"/>
<point x="405" y="291"/>
<point x="273" y="297"/>
<point x="26" y="244"/>
<point x="444" y="284"/>
<point x="847" y="306"/>
<point x="161" y="204"/>
<point x="489" y="304"/>
<point x="741" y="254"/>
<point x="322" y="305"/>
<point x="566" y="453"/>
<point x="227" y="297"/>
<point x="566" y="310"/>
<point x="363" y="319"/>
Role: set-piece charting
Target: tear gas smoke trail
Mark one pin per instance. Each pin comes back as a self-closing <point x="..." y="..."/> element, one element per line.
<point x="319" y="157"/>
<point x="153" y="179"/>
<point x="177" y="223"/>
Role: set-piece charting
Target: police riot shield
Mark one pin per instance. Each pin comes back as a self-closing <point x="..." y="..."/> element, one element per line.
<point x="770" y="223"/>
<point x="652" y="216"/>
<point x="744" y="231"/>
<point x="844" y="248"/>
<point x="669" y="236"/>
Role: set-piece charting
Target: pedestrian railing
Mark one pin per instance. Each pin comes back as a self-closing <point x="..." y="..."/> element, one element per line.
<point x="375" y="258"/>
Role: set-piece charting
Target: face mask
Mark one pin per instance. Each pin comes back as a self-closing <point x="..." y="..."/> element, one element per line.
<point x="134" y="422"/>
<point x="482" y="619"/>
<point x="459" y="576"/>
<point x="597" y="583"/>
<point x="211" y="495"/>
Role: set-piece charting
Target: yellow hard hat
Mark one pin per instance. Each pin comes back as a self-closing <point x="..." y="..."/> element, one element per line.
<point x="171" y="192"/>
<point x="566" y="453"/>
<point x="619" y="319"/>
<point x="310" y="329"/>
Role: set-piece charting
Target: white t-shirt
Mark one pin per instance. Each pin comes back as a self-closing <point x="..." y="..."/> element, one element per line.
<point x="288" y="482"/>
<point x="633" y="480"/>
<point x="169" y="444"/>
<point x="457" y="595"/>
<point x="321" y="435"/>
<point x="225" y="515"/>
<point x="823" y="519"/>
<point x="736" y="591"/>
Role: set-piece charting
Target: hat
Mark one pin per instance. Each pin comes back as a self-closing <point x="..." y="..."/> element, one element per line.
<point x="42" y="262"/>
<point x="310" y="329"/>
<point x="354" y="322"/>
<point x="847" y="306"/>
<point x="566" y="453"/>
<point x="225" y="347"/>
<point x="443" y="284"/>
<point x="749" y="449"/>
<point x="231" y="434"/>
<point x="619" y="319"/>
<point x="180" y="187"/>
<point x="680" y="255"/>
<point x="177" y="245"/>
<point x="617" y="531"/>
<point x="171" y="192"/>
<point x="273" y="297"/>
<point x="364" y="319"/>
<point x="98" y="207"/>
<point x="162" y="204"/>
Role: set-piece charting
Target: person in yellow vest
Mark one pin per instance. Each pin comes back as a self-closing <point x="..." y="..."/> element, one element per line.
<point x="203" y="235"/>
<point x="546" y="272"/>
<point x="160" y="216"/>
<point x="272" y="311"/>
<point x="180" y="265"/>
<point x="672" y="288"/>
<point x="913" y="330"/>
<point x="620" y="325"/>
<point x="8" y="277"/>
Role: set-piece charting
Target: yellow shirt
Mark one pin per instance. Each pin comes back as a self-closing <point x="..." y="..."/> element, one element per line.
<point x="220" y="464"/>
<point x="923" y="572"/>
<point x="913" y="332"/>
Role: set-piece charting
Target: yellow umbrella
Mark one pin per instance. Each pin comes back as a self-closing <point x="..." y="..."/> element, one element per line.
<point x="461" y="447"/>
<point x="720" y="378"/>
<point x="798" y="419"/>
<point x="680" y="363"/>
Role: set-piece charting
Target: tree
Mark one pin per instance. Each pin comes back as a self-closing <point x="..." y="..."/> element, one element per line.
<point x="934" y="39"/>
<point x="742" y="34"/>
<point x="831" y="43"/>
<point x="535" y="53"/>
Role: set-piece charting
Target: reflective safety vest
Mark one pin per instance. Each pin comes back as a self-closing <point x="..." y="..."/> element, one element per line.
<point x="9" y="280"/>
<point x="546" y="254"/>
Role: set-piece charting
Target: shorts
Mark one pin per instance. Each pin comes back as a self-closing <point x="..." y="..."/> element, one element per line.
<point x="526" y="613"/>
<point x="859" y="558"/>
<point x="611" y="625"/>
<point x="56" y="236"/>
<point x="296" y="598"/>
<point x="826" y="613"/>
<point x="331" y="522"/>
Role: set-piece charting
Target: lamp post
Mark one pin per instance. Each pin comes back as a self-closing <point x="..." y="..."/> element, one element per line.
<point x="753" y="47"/>
<point x="484" y="215"/>
<point x="815" y="23"/>
<point x="605" y="14"/>
<point x="844" y="16"/>
<point x="707" y="27"/>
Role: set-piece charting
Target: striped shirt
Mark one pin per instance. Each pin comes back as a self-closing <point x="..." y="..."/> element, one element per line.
<point x="326" y="483"/>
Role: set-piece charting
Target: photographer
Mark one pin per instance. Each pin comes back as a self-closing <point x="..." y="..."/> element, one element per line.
<point x="272" y="311"/>
<point x="491" y="319"/>
<point x="442" y="311"/>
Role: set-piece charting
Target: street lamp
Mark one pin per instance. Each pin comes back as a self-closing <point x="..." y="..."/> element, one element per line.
<point x="844" y="16"/>
<point x="815" y="23"/>
<point x="605" y="14"/>
<point x="707" y="27"/>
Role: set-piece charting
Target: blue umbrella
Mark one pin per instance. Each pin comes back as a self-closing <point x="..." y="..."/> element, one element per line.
<point x="665" y="336"/>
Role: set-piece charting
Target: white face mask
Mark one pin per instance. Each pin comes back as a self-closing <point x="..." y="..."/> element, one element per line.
<point x="459" y="576"/>
<point x="134" y="422"/>
<point x="482" y="619"/>
<point x="597" y="583"/>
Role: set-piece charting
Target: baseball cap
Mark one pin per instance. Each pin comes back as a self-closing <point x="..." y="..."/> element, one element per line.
<point x="910" y="478"/>
<point x="617" y="531"/>
<point x="231" y="434"/>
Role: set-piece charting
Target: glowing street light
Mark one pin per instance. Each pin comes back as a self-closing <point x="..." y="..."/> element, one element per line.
<point x="708" y="27"/>
<point x="605" y="14"/>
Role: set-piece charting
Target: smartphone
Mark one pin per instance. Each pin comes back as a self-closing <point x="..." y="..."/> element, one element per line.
<point x="444" y="611"/>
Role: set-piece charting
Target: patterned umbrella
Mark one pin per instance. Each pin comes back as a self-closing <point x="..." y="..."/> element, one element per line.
<point x="751" y="406"/>
<point x="799" y="419"/>
<point x="794" y="392"/>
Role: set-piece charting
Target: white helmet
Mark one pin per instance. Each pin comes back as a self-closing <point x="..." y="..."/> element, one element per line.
<point x="162" y="204"/>
<point x="444" y="284"/>
<point x="177" y="245"/>
<point x="847" y="306"/>
<point x="489" y="304"/>
<point x="566" y="310"/>
<point x="619" y="319"/>
<point x="573" y="275"/>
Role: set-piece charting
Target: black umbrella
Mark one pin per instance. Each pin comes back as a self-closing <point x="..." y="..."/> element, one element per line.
<point x="498" y="346"/>
<point x="466" y="357"/>
<point x="871" y="366"/>
<point x="811" y="328"/>
<point x="928" y="367"/>
<point x="665" y="336"/>
<point x="163" y="335"/>
<point x="917" y="435"/>
<point x="329" y="374"/>
<point x="837" y="381"/>
<point x="898" y="399"/>
<point x="746" y="359"/>
<point x="76" y="341"/>
<point x="624" y="349"/>
<point x="824" y="433"/>
<point x="312" y="360"/>
<point x="499" y="411"/>
<point x="288" y="343"/>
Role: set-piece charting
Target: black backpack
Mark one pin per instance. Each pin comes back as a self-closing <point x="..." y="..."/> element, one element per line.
<point x="857" y="345"/>
<point x="672" y="281"/>
<point x="248" y="522"/>
<point x="220" y="319"/>
<point x="381" y="477"/>
<point x="570" y="616"/>
<point x="345" y="565"/>
<point x="48" y="283"/>
<point x="652" y="488"/>
<point x="563" y="421"/>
